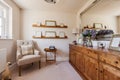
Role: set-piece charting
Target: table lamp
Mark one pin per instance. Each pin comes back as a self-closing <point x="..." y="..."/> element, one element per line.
<point x="75" y="31"/>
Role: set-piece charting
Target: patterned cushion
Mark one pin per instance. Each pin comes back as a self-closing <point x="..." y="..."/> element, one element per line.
<point x="27" y="50"/>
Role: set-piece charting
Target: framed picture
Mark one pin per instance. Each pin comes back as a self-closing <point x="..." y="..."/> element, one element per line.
<point x="115" y="42"/>
<point x="50" y="34"/>
<point x="38" y="34"/>
<point x="61" y="34"/>
<point x="50" y="23"/>
<point x="98" y="25"/>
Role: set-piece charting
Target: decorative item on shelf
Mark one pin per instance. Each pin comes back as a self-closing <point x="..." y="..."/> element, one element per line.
<point x="50" y="34"/>
<point x="105" y="27"/>
<point x="86" y="27"/>
<point x="38" y="34"/>
<point x="34" y="24"/>
<point x="75" y="42"/>
<point x="41" y="24"/>
<point x="62" y="25"/>
<point x="98" y="25"/>
<point x="38" y="23"/>
<point x="62" y="34"/>
<point x="50" y="23"/>
<point x="101" y="45"/>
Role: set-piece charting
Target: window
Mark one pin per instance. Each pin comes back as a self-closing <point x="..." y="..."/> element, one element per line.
<point x="4" y="21"/>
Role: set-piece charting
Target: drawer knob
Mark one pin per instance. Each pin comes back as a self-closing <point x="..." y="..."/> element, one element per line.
<point x="96" y="69"/>
<point x="116" y="62"/>
<point x="101" y="71"/>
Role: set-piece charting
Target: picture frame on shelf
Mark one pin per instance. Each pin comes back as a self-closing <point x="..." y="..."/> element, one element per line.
<point x="50" y="34"/>
<point x="50" y="23"/>
<point x="62" y="34"/>
<point x="98" y="25"/>
<point x="38" y="34"/>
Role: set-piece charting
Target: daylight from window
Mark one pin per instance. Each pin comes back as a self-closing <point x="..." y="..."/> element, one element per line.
<point x="4" y="21"/>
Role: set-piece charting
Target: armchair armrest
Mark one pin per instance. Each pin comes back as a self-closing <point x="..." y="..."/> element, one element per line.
<point x="18" y="54"/>
<point x="36" y="52"/>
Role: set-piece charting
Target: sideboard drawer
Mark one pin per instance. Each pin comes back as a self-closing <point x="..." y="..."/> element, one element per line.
<point x="110" y="59"/>
<point x="76" y="48"/>
<point x="92" y="54"/>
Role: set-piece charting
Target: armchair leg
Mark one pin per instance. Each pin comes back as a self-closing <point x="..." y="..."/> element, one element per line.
<point x="19" y="70"/>
<point x="32" y="64"/>
<point x="39" y="64"/>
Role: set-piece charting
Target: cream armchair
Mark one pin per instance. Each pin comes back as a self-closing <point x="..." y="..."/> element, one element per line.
<point x="26" y="54"/>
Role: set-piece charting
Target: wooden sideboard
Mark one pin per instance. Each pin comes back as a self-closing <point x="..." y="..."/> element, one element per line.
<point x="94" y="63"/>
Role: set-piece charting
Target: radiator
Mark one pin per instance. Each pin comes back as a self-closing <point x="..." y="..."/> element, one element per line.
<point x="2" y="59"/>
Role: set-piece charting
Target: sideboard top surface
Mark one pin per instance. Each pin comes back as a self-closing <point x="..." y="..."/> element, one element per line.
<point x="98" y="50"/>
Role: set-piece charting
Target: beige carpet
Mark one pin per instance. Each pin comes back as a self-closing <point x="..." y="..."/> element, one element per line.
<point x="59" y="71"/>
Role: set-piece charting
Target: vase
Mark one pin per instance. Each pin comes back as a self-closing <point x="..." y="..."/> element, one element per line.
<point x="89" y="42"/>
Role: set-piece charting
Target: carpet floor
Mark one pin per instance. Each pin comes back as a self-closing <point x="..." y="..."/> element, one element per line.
<point x="49" y="71"/>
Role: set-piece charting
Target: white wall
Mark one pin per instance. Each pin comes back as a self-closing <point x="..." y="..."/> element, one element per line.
<point x="118" y="28"/>
<point x="2" y="59"/>
<point x="109" y="21"/>
<point x="10" y="44"/>
<point x="82" y="9"/>
<point x="29" y="17"/>
<point x="100" y="13"/>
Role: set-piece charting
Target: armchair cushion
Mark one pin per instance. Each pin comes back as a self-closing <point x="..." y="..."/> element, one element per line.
<point x="27" y="50"/>
<point x="28" y="59"/>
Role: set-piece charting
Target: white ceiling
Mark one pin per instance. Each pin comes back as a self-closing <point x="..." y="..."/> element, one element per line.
<point x="106" y="7"/>
<point x="62" y="5"/>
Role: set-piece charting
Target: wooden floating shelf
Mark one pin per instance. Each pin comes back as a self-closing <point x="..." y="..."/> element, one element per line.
<point x="43" y="26"/>
<point x="43" y="37"/>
